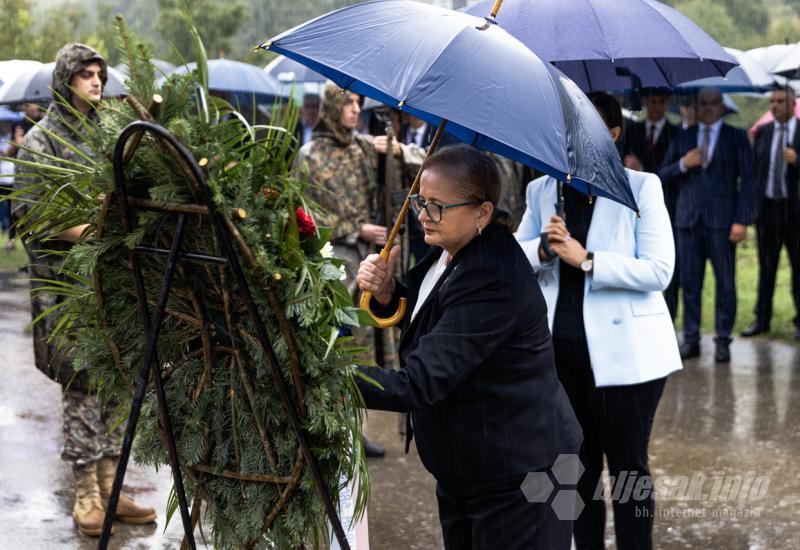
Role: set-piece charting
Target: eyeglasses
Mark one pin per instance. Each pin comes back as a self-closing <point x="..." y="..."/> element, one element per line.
<point x="435" y="210"/>
<point x="712" y="103"/>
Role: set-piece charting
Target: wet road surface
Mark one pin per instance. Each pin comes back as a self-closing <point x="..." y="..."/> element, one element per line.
<point x="724" y="455"/>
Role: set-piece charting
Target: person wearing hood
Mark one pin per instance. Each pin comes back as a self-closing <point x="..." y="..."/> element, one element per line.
<point x="341" y="167"/>
<point x="78" y="78"/>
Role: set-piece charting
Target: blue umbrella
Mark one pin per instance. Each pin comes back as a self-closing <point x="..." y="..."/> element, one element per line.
<point x="241" y="79"/>
<point x="7" y="115"/>
<point x="287" y="70"/>
<point x="449" y="68"/>
<point x="441" y="65"/>
<point x="614" y="44"/>
<point x="34" y="85"/>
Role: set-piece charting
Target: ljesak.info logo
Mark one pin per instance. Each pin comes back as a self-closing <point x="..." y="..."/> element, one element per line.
<point x="698" y="495"/>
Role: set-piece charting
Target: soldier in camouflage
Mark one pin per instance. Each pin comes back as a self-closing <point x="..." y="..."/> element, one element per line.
<point x="79" y="76"/>
<point x="342" y="169"/>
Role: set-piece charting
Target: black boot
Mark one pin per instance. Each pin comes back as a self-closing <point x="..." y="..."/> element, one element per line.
<point x="723" y="352"/>
<point x="372" y="450"/>
<point x="689" y="350"/>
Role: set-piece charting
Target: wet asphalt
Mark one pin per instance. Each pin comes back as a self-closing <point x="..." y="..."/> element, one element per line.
<point x="732" y="432"/>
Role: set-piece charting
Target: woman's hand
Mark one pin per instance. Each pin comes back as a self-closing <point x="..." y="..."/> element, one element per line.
<point x="377" y="276"/>
<point x="375" y="234"/>
<point x="568" y="249"/>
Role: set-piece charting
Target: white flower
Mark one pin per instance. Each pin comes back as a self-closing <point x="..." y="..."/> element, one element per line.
<point x="343" y="276"/>
<point x="327" y="250"/>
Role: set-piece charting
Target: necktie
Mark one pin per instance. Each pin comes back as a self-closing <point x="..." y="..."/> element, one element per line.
<point x="705" y="145"/>
<point x="651" y="130"/>
<point x="777" y="163"/>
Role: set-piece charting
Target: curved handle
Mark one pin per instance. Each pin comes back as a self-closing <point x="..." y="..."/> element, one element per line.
<point x="395" y="319"/>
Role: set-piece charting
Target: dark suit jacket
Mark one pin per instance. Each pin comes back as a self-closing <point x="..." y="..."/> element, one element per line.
<point x="762" y="147"/>
<point x="722" y="194"/>
<point x="477" y="370"/>
<point x="636" y="144"/>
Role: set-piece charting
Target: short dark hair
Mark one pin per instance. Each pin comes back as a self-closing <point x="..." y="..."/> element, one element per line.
<point x="474" y="175"/>
<point x="609" y="109"/>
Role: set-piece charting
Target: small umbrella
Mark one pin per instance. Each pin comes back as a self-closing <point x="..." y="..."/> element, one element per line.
<point x="770" y="56"/>
<point x="287" y="71"/>
<point x="452" y="69"/>
<point x="7" y="115"/>
<point x="789" y="63"/>
<point x="750" y="76"/>
<point x="614" y="44"/>
<point x="235" y="77"/>
<point x="11" y="69"/>
<point x="34" y="85"/>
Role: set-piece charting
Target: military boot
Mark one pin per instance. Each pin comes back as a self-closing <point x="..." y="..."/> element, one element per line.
<point x="128" y="511"/>
<point x="88" y="511"/>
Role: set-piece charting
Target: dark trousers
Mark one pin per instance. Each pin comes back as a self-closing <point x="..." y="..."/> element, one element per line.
<point x="5" y="210"/>
<point x="484" y="515"/>
<point x="778" y="226"/>
<point x="616" y="422"/>
<point x="695" y="247"/>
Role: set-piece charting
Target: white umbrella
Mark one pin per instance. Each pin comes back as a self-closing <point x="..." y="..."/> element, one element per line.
<point x="770" y="56"/>
<point x="11" y="69"/>
<point x="34" y="86"/>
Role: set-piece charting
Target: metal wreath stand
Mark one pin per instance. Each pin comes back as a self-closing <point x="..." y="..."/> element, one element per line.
<point x="227" y="233"/>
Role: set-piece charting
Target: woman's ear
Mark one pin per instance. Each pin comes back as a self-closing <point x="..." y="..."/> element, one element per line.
<point x="615" y="132"/>
<point x="485" y="211"/>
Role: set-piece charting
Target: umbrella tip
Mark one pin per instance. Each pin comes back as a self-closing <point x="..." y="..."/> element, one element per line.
<point x="638" y="215"/>
<point x="263" y="46"/>
<point x="400" y="105"/>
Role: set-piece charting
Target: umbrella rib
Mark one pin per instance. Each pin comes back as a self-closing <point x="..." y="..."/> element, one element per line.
<point x="664" y="74"/>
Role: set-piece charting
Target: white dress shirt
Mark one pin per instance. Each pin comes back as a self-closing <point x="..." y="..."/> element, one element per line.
<point x="657" y="128"/>
<point x="788" y="138"/>
<point x="416" y="135"/>
<point x="712" y="141"/>
<point x="431" y="277"/>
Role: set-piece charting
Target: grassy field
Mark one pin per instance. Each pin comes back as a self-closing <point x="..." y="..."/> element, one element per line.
<point x="746" y="286"/>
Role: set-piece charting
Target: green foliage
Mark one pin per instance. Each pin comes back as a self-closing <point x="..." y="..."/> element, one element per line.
<point x="217" y="22"/>
<point x="225" y="408"/>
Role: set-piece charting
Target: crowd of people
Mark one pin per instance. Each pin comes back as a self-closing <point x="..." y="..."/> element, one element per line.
<point x="512" y="352"/>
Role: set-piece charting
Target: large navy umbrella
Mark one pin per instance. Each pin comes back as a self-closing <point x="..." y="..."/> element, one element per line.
<point x="441" y="65"/>
<point x="235" y="77"/>
<point x="463" y="72"/>
<point x="34" y="85"/>
<point x="614" y="44"/>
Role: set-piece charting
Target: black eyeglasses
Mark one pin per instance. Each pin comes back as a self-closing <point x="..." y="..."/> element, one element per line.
<point x="435" y="210"/>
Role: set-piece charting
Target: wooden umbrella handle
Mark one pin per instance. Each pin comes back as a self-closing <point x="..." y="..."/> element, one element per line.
<point x="496" y="8"/>
<point x="366" y="296"/>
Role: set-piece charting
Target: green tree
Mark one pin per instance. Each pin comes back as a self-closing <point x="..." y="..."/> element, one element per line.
<point x="217" y="23"/>
<point x="714" y="19"/>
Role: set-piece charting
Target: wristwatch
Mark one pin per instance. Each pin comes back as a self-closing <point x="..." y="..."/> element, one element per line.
<point x="588" y="263"/>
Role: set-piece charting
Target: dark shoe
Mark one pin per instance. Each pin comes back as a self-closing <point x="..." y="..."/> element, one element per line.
<point x="372" y="450"/>
<point x="689" y="350"/>
<point x="755" y="329"/>
<point x="723" y="351"/>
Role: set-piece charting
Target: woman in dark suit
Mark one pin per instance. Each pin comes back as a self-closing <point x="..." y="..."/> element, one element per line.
<point x="478" y="375"/>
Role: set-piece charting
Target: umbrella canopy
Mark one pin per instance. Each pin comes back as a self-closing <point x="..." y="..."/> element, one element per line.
<point x="11" y="69"/>
<point x="287" y="70"/>
<point x="235" y="77"/>
<point x="789" y="63"/>
<point x="34" y="85"/>
<point x="614" y="44"/>
<point x="749" y="76"/>
<point x="7" y="115"/>
<point x="494" y="92"/>
<point x="770" y="56"/>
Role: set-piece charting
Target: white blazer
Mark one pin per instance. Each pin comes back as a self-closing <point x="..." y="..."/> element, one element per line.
<point x="628" y="328"/>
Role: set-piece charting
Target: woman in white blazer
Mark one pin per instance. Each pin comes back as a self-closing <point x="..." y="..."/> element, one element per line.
<point x="613" y="337"/>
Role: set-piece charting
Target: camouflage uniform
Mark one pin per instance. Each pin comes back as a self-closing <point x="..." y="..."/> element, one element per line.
<point x="85" y="423"/>
<point x="342" y="170"/>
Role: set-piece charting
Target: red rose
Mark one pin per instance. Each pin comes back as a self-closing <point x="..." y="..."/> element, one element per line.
<point x="305" y="223"/>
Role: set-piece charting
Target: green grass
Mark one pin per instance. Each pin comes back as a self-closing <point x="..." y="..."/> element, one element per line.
<point x="11" y="260"/>
<point x="783" y="312"/>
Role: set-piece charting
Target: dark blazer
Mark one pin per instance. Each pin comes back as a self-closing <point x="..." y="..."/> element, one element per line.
<point x="722" y="194"/>
<point x="478" y="372"/>
<point x="763" y="147"/>
<point x="636" y="144"/>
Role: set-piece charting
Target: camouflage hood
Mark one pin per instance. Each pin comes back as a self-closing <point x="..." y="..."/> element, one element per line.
<point x="330" y="115"/>
<point x="70" y="60"/>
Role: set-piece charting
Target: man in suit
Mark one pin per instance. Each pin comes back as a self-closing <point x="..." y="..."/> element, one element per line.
<point x="309" y="115"/>
<point x="776" y="146"/>
<point x="712" y="165"/>
<point x="645" y="147"/>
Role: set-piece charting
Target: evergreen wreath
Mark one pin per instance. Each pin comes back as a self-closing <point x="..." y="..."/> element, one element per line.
<point x="238" y="452"/>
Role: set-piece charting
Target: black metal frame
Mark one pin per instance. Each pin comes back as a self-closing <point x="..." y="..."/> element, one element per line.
<point x="152" y="325"/>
